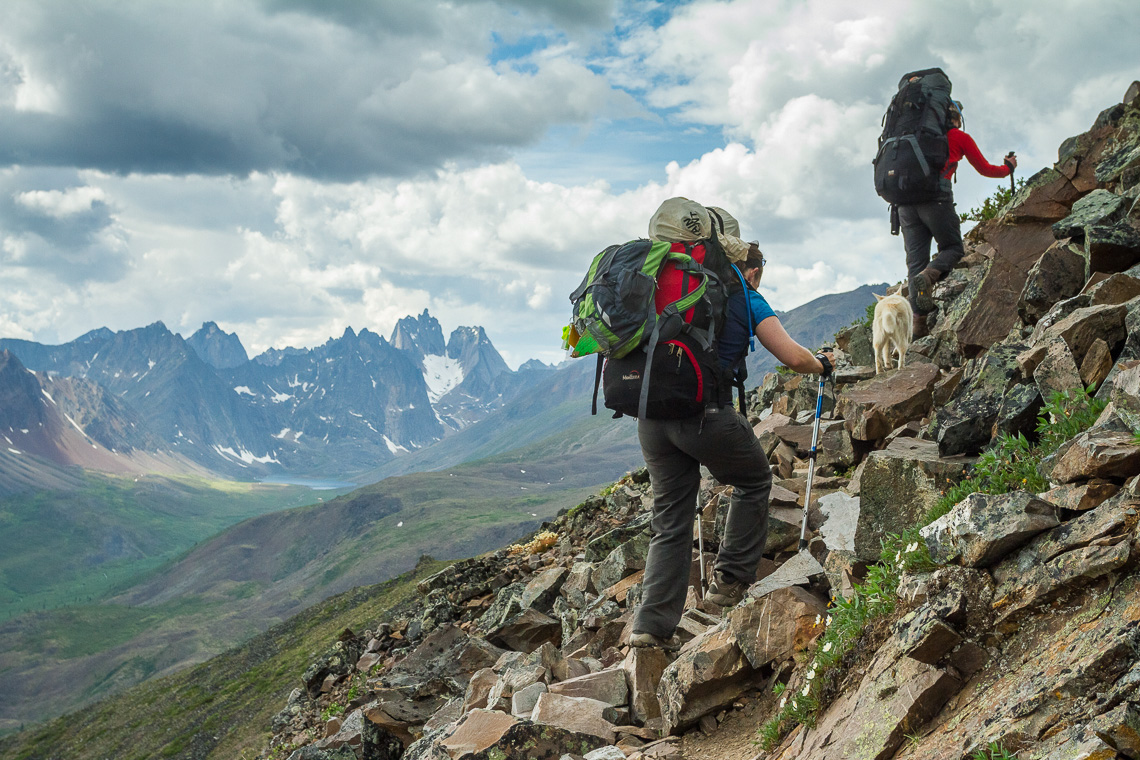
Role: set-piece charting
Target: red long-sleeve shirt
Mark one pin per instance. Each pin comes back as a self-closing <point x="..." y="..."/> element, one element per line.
<point x="961" y="144"/>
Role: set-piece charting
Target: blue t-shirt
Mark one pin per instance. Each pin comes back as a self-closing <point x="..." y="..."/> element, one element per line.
<point x="734" y="336"/>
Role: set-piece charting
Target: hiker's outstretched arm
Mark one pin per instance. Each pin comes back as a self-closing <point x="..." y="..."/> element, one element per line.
<point x="775" y="338"/>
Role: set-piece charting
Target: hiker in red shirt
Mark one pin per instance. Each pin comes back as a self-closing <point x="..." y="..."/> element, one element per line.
<point x="937" y="219"/>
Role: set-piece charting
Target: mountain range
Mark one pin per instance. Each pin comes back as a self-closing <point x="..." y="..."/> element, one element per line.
<point x="359" y="407"/>
<point x="148" y="400"/>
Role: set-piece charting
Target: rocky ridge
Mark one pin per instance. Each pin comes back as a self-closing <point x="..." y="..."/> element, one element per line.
<point x="1021" y="633"/>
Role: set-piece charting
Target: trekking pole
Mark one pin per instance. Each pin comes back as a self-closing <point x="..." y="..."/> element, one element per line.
<point x="811" y="461"/>
<point x="701" y="549"/>
<point x="1012" y="190"/>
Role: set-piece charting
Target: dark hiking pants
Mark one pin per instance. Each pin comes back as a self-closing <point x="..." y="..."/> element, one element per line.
<point x="923" y="222"/>
<point x="674" y="451"/>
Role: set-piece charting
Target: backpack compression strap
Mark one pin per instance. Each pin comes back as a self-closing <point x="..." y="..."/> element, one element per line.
<point x="670" y="320"/>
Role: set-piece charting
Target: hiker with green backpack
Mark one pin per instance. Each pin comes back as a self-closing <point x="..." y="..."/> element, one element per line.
<point x="678" y="383"/>
<point x="919" y="150"/>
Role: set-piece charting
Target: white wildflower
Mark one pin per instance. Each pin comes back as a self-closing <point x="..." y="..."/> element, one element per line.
<point x="783" y="702"/>
<point x="807" y="690"/>
<point x="817" y="619"/>
<point x="912" y="547"/>
<point x="811" y="674"/>
<point x="898" y="556"/>
<point x="829" y="619"/>
<point x="827" y="647"/>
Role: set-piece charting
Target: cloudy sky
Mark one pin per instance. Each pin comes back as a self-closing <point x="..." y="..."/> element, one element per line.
<point x="290" y="168"/>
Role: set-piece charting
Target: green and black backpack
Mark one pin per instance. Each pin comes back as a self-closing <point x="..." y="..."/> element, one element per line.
<point x="652" y="312"/>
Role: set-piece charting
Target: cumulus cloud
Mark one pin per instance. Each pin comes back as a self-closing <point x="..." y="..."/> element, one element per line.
<point x="306" y="87"/>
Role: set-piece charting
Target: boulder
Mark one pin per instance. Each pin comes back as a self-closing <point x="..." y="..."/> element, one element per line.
<point x="1096" y="364"/>
<point x="1080" y="496"/>
<point x="1114" y="289"/>
<point x="709" y="673"/>
<point x="899" y="485"/>
<point x="1112" y="247"/>
<point x="797" y="570"/>
<point x="983" y="528"/>
<point x="1058" y="274"/>
<point x="578" y="584"/>
<point x="1083" y="327"/>
<point x="1048" y="196"/>
<point x="526" y="631"/>
<point x="1097" y="454"/>
<point x="600" y="547"/>
<point x="777" y="626"/>
<point x="873" y="408"/>
<point x="643" y="668"/>
<point x="524" y="700"/>
<point x="486" y="734"/>
<point x="1098" y="207"/>
<point x="542" y="589"/>
<point x="1057" y="371"/>
<point x="966" y="423"/>
<point x="579" y="715"/>
<point x="624" y="560"/>
<point x="841" y="519"/>
<point x="607" y="686"/>
<point x="993" y="311"/>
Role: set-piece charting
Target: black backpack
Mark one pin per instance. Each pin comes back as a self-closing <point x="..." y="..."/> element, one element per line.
<point x="912" y="148"/>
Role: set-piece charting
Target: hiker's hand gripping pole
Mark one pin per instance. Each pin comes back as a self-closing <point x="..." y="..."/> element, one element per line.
<point x="1011" y="162"/>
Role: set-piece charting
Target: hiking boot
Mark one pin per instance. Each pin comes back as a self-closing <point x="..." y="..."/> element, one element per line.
<point x="923" y="287"/>
<point x="671" y="644"/>
<point x="724" y="592"/>
<point x="918" y="327"/>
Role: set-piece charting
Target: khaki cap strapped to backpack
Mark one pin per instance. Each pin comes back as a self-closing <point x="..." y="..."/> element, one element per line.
<point x="679" y="220"/>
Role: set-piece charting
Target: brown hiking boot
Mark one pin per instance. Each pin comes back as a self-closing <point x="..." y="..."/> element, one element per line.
<point x="724" y="592"/>
<point x="923" y="287"/>
<point x="671" y="644"/>
<point x="918" y="327"/>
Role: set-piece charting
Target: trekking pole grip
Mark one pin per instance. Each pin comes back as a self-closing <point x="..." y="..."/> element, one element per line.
<point x="823" y="360"/>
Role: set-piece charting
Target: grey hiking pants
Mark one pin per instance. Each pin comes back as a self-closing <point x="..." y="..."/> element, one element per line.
<point x="922" y="222"/>
<point x="674" y="451"/>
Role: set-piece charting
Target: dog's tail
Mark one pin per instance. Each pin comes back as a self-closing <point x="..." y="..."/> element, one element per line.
<point x="890" y="321"/>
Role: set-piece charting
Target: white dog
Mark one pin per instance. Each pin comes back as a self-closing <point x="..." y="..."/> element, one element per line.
<point x="891" y="330"/>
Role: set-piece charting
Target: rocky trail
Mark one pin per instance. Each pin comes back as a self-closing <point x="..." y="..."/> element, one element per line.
<point x="1004" y="624"/>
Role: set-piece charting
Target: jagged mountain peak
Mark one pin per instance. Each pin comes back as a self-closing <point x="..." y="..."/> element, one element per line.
<point x="98" y="335"/>
<point x="21" y="405"/>
<point x="420" y="336"/>
<point x="475" y="352"/>
<point x="217" y="347"/>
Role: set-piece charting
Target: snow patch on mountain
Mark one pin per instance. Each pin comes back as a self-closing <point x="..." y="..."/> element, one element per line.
<point x="441" y="373"/>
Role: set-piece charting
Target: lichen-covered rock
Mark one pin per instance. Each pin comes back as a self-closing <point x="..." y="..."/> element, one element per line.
<point x="1060" y="273"/>
<point x="339" y="661"/>
<point x="1098" y="207"/>
<point x="966" y="423"/>
<point x="896" y="696"/>
<point x="983" y="528"/>
<point x="897" y="486"/>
